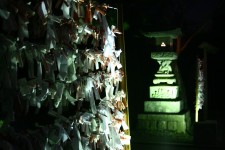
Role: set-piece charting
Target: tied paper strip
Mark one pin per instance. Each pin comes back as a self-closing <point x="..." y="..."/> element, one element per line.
<point x="94" y="125"/>
<point x="19" y="56"/>
<point x="92" y="60"/>
<point x="57" y="134"/>
<point x="69" y="97"/>
<point x="55" y="19"/>
<point x="91" y="63"/>
<point x="104" y="141"/>
<point x="86" y="143"/>
<point x="63" y="135"/>
<point x="62" y="66"/>
<point x="118" y="114"/>
<point x="98" y="84"/>
<point x="39" y="71"/>
<point x="92" y="102"/>
<point x="44" y="9"/>
<point x="79" y="62"/>
<point x="44" y="92"/>
<point x="109" y="88"/>
<point x="73" y="11"/>
<point x="71" y="68"/>
<point x="97" y="16"/>
<point x="89" y="84"/>
<point x="85" y="121"/>
<point x="23" y="28"/>
<point x="115" y="142"/>
<point x="80" y="90"/>
<point x="9" y="52"/>
<point x="116" y="62"/>
<point x="23" y="86"/>
<point x="124" y="138"/>
<point x="109" y="44"/>
<point x="66" y="9"/>
<point x="43" y="12"/>
<point x="85" y="128"/>
<point x="85" y="66"/>
<point x="111" y="68"/>
<point x="58" y="96"/>
<point x="28" y="90"/>
<point x="50" y="67"/>
<point x="97" y="61"/>
<point x="105" y="116"/>
<point x="51" y="39"/>
<point x="96" y="94"/>
<point x="4" y="14"/>
<point x="117" y="52"/>
<point x="80" y="9"/>
<point x="89" y="94"/>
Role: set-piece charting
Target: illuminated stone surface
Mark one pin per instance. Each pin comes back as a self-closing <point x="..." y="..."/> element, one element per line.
<point x="163" y="92"/>
<point x="155" y="123"/>
<point x="164" y="55"/>
<point x="165" y="69"/>
<point x="172" y="34"/>
<point x="164" y="80"/>
<point x="164" y="75"/>
<point x="163" y="106"/>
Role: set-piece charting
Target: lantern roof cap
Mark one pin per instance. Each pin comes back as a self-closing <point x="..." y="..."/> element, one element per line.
<point x="162" y="34"/>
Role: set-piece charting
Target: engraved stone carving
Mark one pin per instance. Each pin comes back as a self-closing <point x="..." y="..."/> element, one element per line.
<point x="164" y="92"/>
<point x="164" y="72"/>
<point x="164" y="66"/>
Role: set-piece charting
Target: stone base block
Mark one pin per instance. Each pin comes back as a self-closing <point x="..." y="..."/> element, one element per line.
<point x="163" y="106"/>
<point x="163" y="123"/>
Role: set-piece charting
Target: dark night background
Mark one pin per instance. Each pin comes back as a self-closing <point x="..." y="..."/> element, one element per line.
<point x="202" y="24"/>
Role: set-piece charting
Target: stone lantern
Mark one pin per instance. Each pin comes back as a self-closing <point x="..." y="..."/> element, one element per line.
<point x="165" y="112"/>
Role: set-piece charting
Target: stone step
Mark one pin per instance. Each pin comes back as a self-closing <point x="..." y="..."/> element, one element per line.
<point x="161" y="106"/>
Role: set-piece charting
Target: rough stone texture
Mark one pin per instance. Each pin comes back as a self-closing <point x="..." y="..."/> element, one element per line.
<point x="163" y="123"/>
<point x="163" y="106"/>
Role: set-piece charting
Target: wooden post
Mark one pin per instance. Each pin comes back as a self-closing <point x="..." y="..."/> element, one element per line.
<point x="121" y="44"/>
